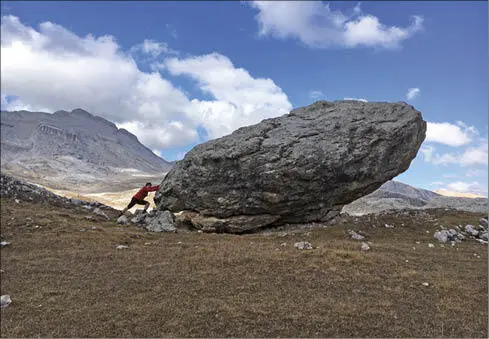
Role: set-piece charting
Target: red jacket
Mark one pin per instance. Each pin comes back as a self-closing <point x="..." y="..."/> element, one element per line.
<point x="143" y="192"/>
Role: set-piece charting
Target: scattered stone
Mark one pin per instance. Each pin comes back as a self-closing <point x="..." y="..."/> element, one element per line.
<point x="283" y="244"/>
<point x="406" y="260"/>
<point x="4" y="243"/>
<point x="431" y="245"/>
<point x="90" y="218"/>
<point x="17" y="201"/>
<point x="98" y="211"/>
<point x="365" y="247"/>
<point x="140" y="216"/>
<point x="354" y="235"/>
<point x="441" y="236"/>
<point x="122" y="220"/>
<point x="471" y="230"/>
<point x="425" y="284"/>
<point x="5" y="301"/>
<point x="94" y="228"/>
<point x="452" y="232"/>
<point x="303" y="245"/>
<point x="484" y="235"/>
<point x="76" y="202"/>
<point x="121" y="247"/>
<point x="282" y="234"/>
<point x="483" y="223"/>
<point x="161" y="222"/>
<point x="389" y="226"/>
<point x="418" y="242"/>
<point x="460" y="236"/>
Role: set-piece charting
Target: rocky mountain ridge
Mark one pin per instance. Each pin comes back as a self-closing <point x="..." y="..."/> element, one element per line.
<point x="75" y="148"/>
<point x="394" y="195"/>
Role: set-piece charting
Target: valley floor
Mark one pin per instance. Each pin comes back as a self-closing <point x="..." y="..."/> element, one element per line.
<point x="69" y="280"/>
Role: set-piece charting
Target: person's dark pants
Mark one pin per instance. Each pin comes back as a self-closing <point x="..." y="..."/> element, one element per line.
<point x="135" y="201"/>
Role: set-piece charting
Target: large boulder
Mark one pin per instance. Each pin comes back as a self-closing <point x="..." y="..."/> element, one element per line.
<point x="300" y="167"/>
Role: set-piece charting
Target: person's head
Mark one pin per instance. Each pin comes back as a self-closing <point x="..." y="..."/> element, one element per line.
<point x="148" y="184"/>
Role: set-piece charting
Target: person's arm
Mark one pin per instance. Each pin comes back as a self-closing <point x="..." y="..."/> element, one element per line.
<point x="153" y="188"/>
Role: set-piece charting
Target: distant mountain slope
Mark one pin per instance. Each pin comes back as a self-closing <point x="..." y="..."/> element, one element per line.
<point x="447" y="193"/>
<point x="74" y="147"/>
<point x="394" y="195"/>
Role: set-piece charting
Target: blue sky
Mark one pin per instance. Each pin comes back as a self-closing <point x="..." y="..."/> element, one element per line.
<point x="178" y="73"/>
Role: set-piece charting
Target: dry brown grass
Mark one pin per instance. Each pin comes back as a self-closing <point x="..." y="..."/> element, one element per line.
<point x="68" y="283"/>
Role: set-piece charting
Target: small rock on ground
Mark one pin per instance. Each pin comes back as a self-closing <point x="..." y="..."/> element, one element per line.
<point x="303" y="245"/>
<point x="365" y="247"/>
<point x="5" y="301"/>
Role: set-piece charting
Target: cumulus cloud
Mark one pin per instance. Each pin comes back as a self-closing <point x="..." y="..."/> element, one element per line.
<point x="449" y="134"/>
<point x="356" y="99"/>
<point x="240" y="99"/>
<point x="471" y="156"/>
<point x="316" y="94"/>
<point x="467" y="187"/>
<point x="51" y="68"/>
<point x="316" y="25"/>
<point x="412" y="93"/>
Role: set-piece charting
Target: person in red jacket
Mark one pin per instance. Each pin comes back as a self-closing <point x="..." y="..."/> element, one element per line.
<point x="138" y="198"/>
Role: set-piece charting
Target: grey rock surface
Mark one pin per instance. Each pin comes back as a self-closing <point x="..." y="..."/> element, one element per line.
<point x="442" y="236"/>
<point x="354" y="235"/>
<point x="365" y="247"/>
<point x="161" y="221"/>
<point x="483" y="223"/>
<point x="122" y="220"/>
<point x="303" y="245"/>
<point x="5" y="301"/>
<point x="300" y="167"/>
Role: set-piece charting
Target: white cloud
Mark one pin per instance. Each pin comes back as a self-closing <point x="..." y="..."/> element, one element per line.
<point x="317" y="25"/>
<point x="56" y="69"/>
<point x="471" y="156"/>
<point x="448" y="134"/>
<point x="475" y="156"/>
<point x="316" y="94"/>
<point x="412" y="93"/>
<point x="427" y="152"/>
<point x="240" y="99"/>
<point x="52" y="68"/>
<point x="356" y="99"/>
<point x="476" y="173"/>
<point x="467" y="187"/>
<point x="473" y="187"/>
<point x="153" y="48"/>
